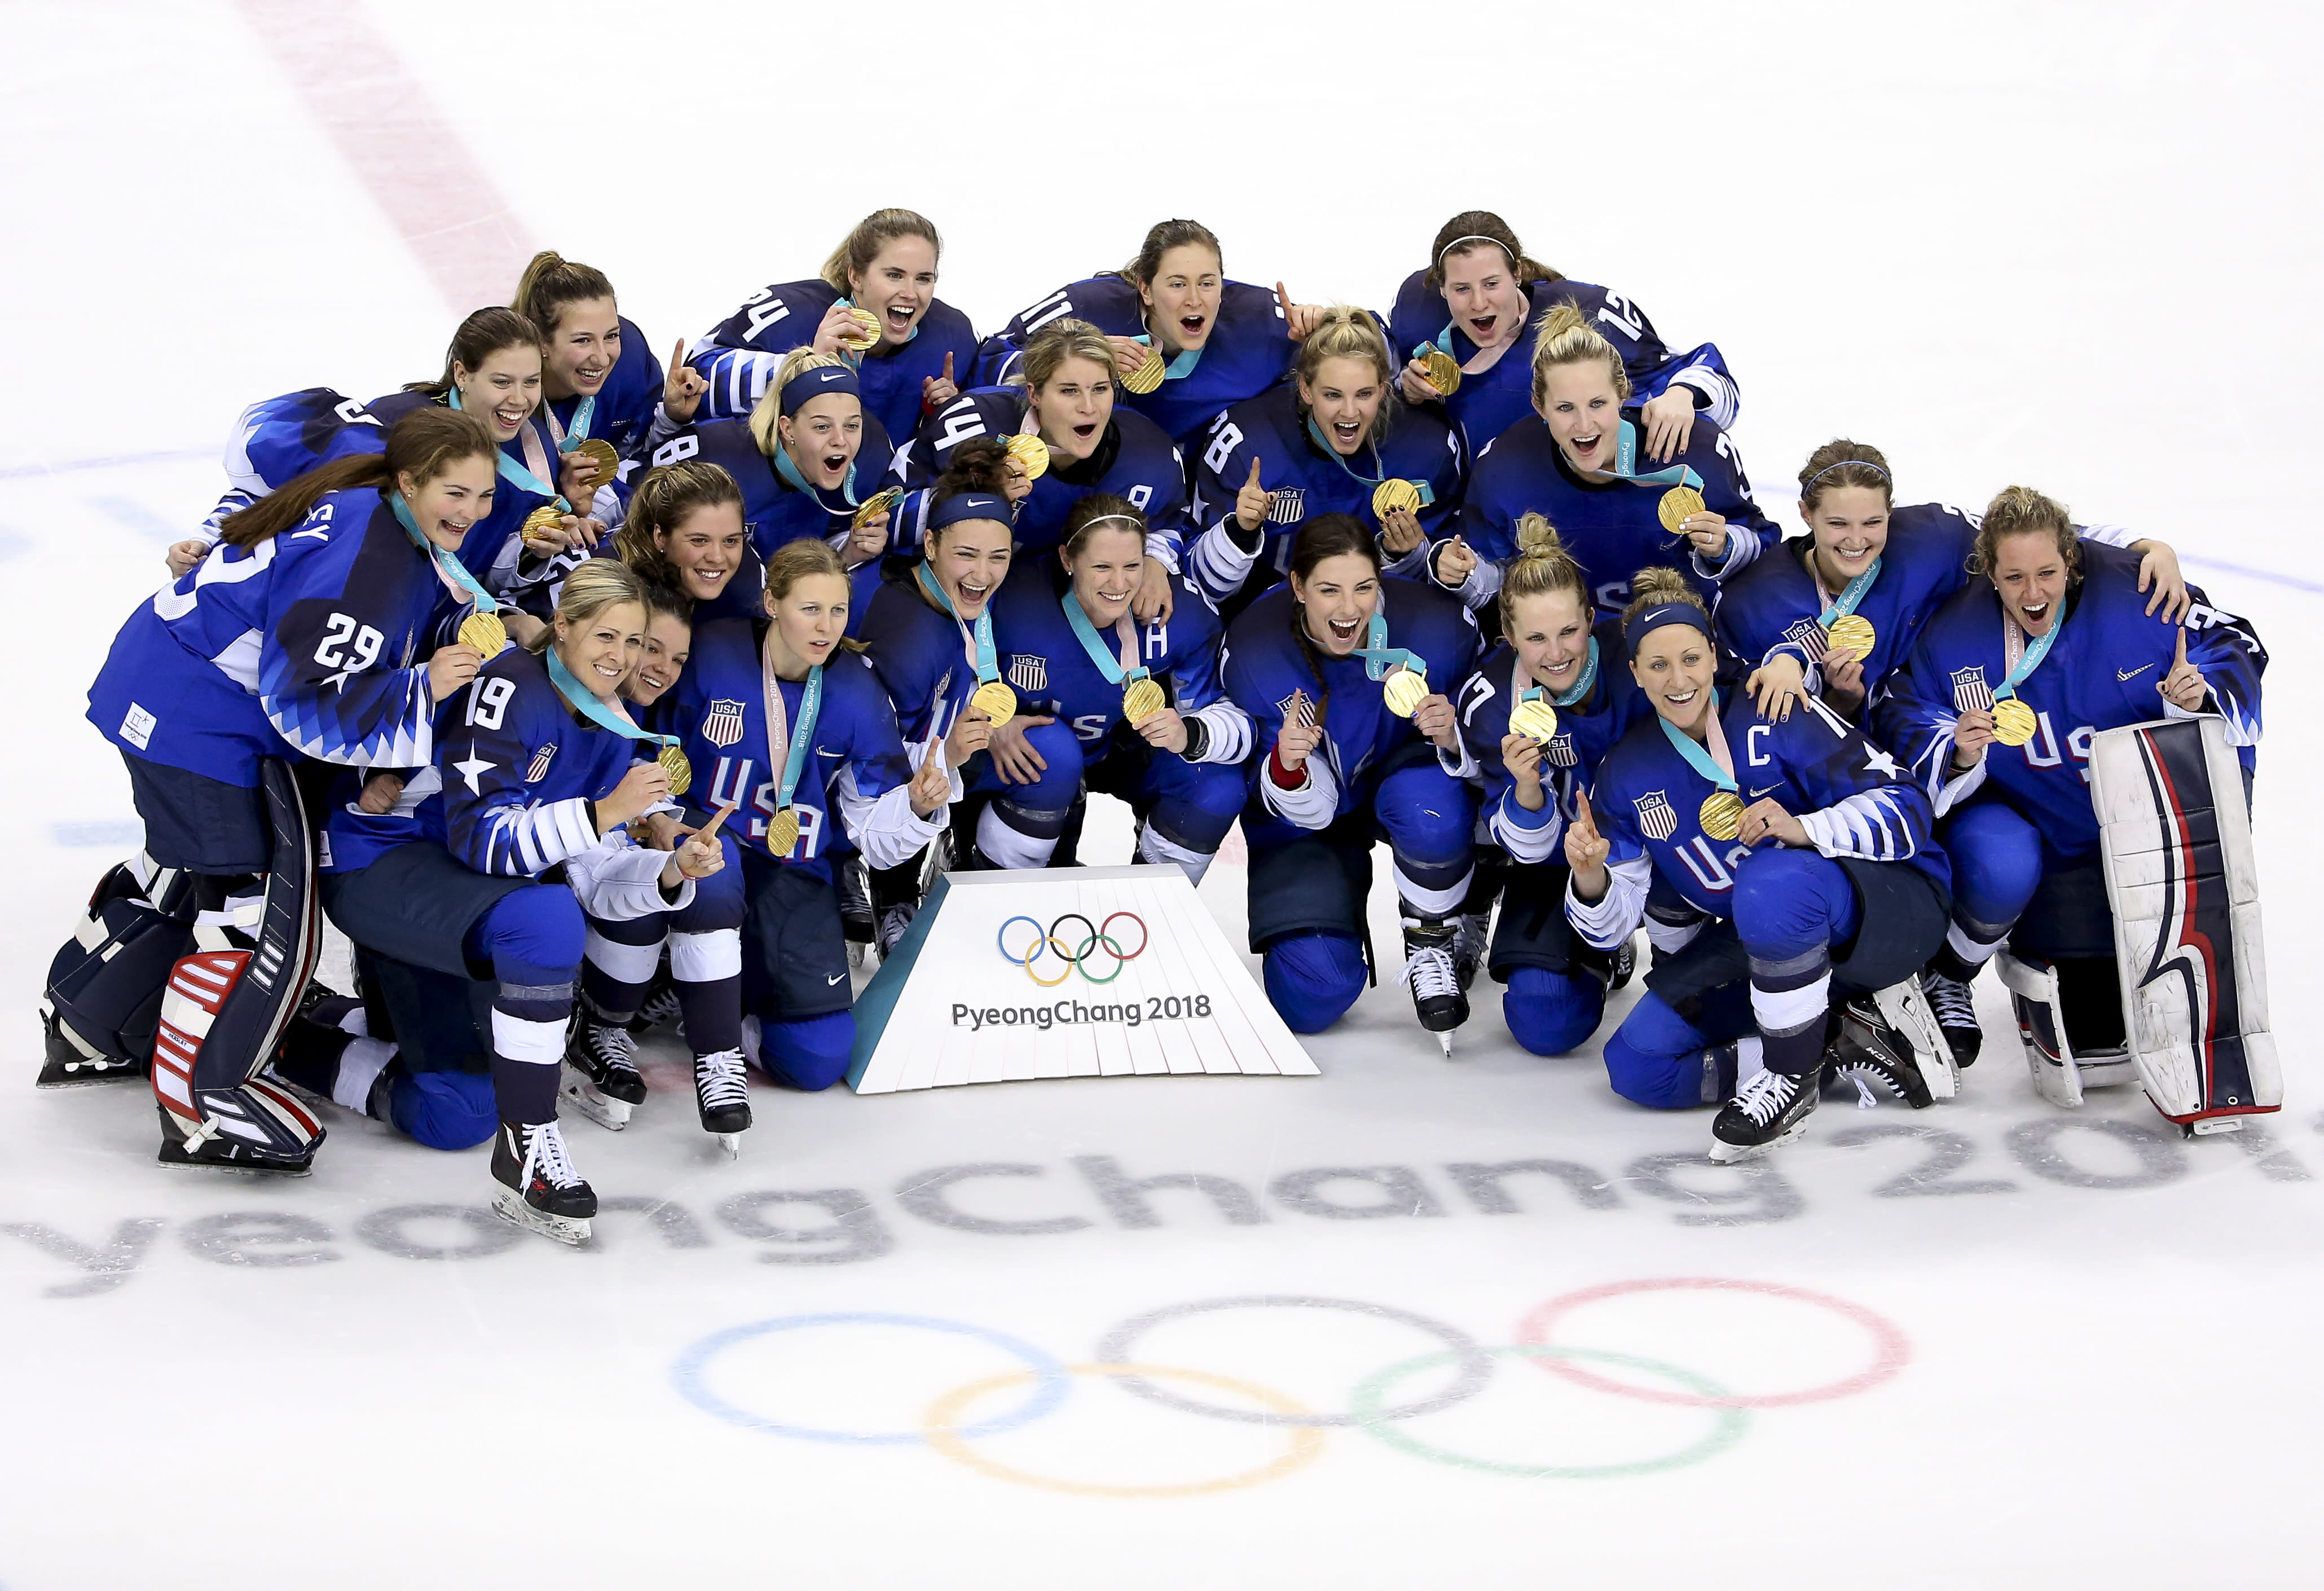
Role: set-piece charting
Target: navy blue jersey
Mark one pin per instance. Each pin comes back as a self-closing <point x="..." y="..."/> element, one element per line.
<point x="924" y="657"/>
<point x="1854" y="799"/>
<point x="278" y="440"/>
<point x="1490" y="401"/>
<point x="775" y="511"/>
<point x="1611" y="527"/>
<point x="1249" y="350"/>
<point x="855" y="772"/>
<point x="492" y="550"/>
<point x="740" y="355"/>
<point x="1266" y="662"/>
<point x="1053" y="674"/>
<point x="2100" y="674"/>
<point x="309" y="644"/>
<point x="1308" y="478"/>
<point x="626" y="401"/>
<point x="1134" y="460"/>
<point x="1586" y="731"/>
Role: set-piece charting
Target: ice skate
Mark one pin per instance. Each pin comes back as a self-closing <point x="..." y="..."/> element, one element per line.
<point x="1874" y="1054"/>
<point x="857" y="922"/>
<point x="1765" y="1112"/>
<point x="1905" y="1011"/>
<point x="600" y="1073"/>
<point x="539" y="1188"/>
<point x="660" y="1008"/>
<point x="1472" y="940"/>
<point x="258" y="1127"/>
<point x="1626" y="964"/>
<point x="1956" y="1013"/>
<point x="722" y="1094"/>
<point x="894" y="923"/>
<point x="1429" y="974"/>
<point x="67" y="1062"/>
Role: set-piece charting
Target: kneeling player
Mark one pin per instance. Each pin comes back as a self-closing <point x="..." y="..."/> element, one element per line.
<point x="1778" y="864"/>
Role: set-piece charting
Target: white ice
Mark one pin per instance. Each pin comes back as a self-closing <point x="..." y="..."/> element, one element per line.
<point x="2068" y="245"/>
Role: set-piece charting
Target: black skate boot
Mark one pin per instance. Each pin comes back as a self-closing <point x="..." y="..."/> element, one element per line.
<point x="1428" y="974"/>
<point x="722" y="1094"/>
<point x="1472" y="940"/>
<point x="1625" y="964"/>
<point x="259" y="1127"/>
<point x="66" y="1062"/>
<point x="539" y="1188"/>
<point x="1875" y="1056"/>
<point x="1765" y="1111"/>
<point x="858" y="924"/>
<point x="1956" y="1012"/>
<point x="601" y="1072"/>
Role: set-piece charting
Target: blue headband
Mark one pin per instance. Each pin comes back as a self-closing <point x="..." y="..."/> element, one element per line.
<point x="1861" y="464"/>
<point x="815" y="383"/>
<point x="970" y="505"/>
<point x="1663" y="613"/>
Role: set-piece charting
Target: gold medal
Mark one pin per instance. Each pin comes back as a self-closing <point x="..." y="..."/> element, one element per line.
<point x="1141" y="700"/>
<point x="1721" y="816"/>
<point x="1678" y="505"/>
<point x="867" y="337"/>
<point x="486" y="633"/>
<point x="1404" y="690"/>
<point x="1147" y="376"/>
<point x="873" y="506"/>
<point x="609" y="462"/>
<point x="1853" y="632"/>
<point x="782" y="832"/>
<point x="1031" y="454"/>
<point x="1391" y="495"/>
<point x="1537" y="719"/>
<point x="545" y="523"/>
<point x="1443" y="371"/>
<point x="676" y="769"/>
<point x="2013" y="722"/>
<point x="996" y="700"/>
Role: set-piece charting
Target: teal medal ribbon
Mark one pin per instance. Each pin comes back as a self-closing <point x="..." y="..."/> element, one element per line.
<point x="1626" y="463"/>
<point x="1178" y="368"/>
<point x="588" y="706"/>
<point x="1845" y="603"/>
<point x="1379" y="657"/>
<point x="2036" y="650"/>
<point x="1698" y="757"/>
<point x="789" y="470"/>
<point x="988" y="665"/>
<point x="794" y="755"/>
<point x="584" y="414"/>
<point x="449" y="569"/>
<point x="517" y="473"/>
<point x="1121" y="673"/>
<point x="1442" y="342"/>
<point x="1323" y="443"/>
<point x="1580" y="686"/>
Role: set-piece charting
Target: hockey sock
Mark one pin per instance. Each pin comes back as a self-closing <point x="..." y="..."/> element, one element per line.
<point x="616" y="970"/>
<point x="1011" y="835"/>
<point x="707" y="971"/>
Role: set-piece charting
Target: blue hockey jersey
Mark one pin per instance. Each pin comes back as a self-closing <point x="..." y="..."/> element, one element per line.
<point x="740" y="355"/>
<point x="925" y="660"/>
<point x="624" y="411"/>
<point x="518" y="768"/>
<point x="774" y="511"/>
<point x="1586" y="731"/>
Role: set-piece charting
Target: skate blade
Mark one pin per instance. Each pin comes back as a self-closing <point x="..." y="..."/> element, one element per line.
<point x="80" y="1077"/>
<point x="603" y="1109"/>
<point x="512" y="1208"/>
<point x="1726" y="1154"/>
<point x="729" y="1145"/>
<point x="1907" y="1013"/>
<point x="232" y="1168"/>
<point x="1445" y="1039"/>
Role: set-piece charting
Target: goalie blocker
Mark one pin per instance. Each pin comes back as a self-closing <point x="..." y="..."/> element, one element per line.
<point x="2182" y="891"/>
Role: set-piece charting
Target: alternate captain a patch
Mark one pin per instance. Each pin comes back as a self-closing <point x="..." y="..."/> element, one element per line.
<point x="721" y="725"/>
<point x="1030" y="675"/>
<point x="538" y="769"/>
<point x="1971" y="692"/>
<point x="1655" y="817"/>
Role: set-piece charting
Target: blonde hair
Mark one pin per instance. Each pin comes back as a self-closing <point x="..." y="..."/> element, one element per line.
<point x="1542" y="567"/>
<point x="2020" y="511"/>
<point x="1059" y="341"/>
<point x="1346" y="332"/>
<point x="769" y="410"/>
<point x="661" y="504"/>
<point x="1563" y="336"/>
<point x="860" y="247"/>
<point x="597" y="584"/>
<point x="1651" y="588"/>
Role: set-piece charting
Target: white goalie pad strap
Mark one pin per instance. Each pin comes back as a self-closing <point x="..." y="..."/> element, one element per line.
<point x="2175" y="835"/>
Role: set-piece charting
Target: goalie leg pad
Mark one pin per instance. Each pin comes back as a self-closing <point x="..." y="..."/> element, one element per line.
<point x="103" y="994"/>
<point x="2175" y="835"/>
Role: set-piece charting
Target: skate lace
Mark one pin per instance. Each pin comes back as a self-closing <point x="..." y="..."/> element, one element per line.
<point x="612" y="1046"/>
<point x="893" y="923"/>
<point x="544" y="1155"/>
<point x="1765" y="1096"/>
<point x="1951" y="1001"/>
<point x="1430" y="973"/>
<point x="721" y="1080"/>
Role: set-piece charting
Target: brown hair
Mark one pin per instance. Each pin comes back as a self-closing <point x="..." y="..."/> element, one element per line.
<point x="2020" y="511"/>
<point x="1563" y="337"/>
<point x="1473" y="229"/>
<point x="1842" y="463"/>
<point x="1099" y="507"/>
<point x="661" y="502"/>
<point x="1346" y="332"/>
<point x="423" y="443"/>
<point x="595" y="585"/>
<point x="1161" y="239"/>
<point x="1059" y="341"/>
<point x="1541" y="568"/>
<point x="1326" y="536"/>
<point x="666" y="602"/>
<point x="552" y="281"/>
<point x="978" y="465"/>
<point x="1651" y="588"/>
<point x="478" y="338"/>
<point x="860" y="247"/>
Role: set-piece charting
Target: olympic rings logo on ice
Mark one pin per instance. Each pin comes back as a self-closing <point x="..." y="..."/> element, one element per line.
<point x="1048" y="944"/>
<point x="1380" y="1405"/>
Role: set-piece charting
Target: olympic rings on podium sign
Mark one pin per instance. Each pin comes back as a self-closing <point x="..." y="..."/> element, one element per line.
<point x="1048" y="1381"/>
<point x="1047" y="943"/>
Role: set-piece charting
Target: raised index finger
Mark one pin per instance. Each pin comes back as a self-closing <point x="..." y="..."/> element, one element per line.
<point x="2182" y="647"/>
<point x="678" y="359"/>
<point x="1254" y="471"/>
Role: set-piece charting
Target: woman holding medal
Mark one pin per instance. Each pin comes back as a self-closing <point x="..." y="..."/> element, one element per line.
<point x="1993" y="710"/>
<point x="1135" y="711"/>
<point x="1459" y="321"/>
<point x="1338" y="670"/>
<point x="874" y="307"/>
<point x="1188" y="342"/>
<point x="781" y="717"/>
<point x="1537" y="717"/>
<point x="1335" y="440"/>
<point x="1788" y="863"/>
<point x="1580" y="467"/>
<point x="301" y="637"/>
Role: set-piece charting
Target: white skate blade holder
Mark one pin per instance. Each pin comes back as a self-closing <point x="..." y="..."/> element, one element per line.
<point x="583" y="1096"/>
<point x="1905" y="1006"/>
<point x="509" y="1206"/>
<point x="1725" y="1153"/>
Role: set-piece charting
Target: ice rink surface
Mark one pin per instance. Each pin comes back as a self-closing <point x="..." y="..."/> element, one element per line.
<point x="1988" y="1344"/>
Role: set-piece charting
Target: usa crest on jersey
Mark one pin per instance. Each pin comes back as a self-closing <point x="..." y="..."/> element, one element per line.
<point x="1971" y="692"/>
<point x="539" y="767"/>
<point x="1561" y="753"/>
<point x="1290" y="506"/>
<point x="1029" y="675"/>
<point x="1655" y="817"/>
<point x="1810" y="636"/>
<point x="721" y="725"/>
<point x="1303" y="704"/>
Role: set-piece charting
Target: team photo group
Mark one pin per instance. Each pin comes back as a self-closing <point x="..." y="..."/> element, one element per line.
<point x="593" y="682"/>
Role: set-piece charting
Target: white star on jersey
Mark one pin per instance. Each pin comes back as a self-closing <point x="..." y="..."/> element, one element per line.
<point x="1879" y="761"/>
<point x="474" y="766"/>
